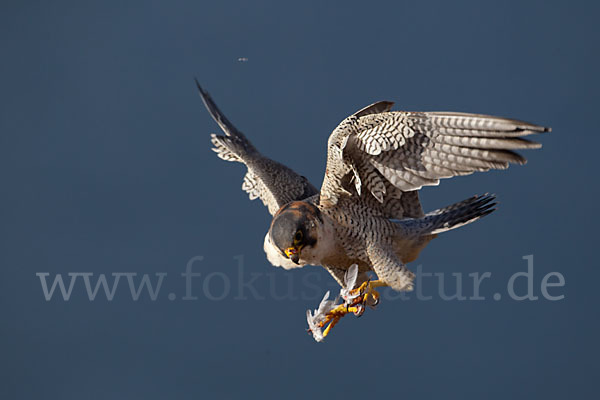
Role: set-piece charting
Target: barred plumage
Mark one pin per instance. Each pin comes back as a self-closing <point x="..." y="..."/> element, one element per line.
<point x="272" y="182"/>
<point x="368" y="211"/>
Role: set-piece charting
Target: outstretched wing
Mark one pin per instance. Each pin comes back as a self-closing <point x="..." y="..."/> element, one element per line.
<point x="272" y="182"/>
<point x="375" y="152"/>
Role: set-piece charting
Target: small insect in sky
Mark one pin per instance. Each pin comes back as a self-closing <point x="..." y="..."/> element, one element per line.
<point x="242" y="59"/>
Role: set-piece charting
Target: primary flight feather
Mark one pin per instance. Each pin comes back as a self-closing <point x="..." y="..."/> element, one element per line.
<point x="367" y="214"/>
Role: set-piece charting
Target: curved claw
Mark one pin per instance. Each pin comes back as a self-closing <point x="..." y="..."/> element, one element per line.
<point x="356" y="302"/>
<point x="360" y="309"/>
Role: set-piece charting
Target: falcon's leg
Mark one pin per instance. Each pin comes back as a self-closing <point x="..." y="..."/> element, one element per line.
<point x="389" y="268"/>
<point x="339" y="275"/>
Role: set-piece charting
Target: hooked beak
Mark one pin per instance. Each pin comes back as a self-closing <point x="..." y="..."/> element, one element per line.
<point x="292" y="254"/>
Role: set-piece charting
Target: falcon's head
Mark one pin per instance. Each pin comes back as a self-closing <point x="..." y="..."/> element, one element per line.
<point x="295" y="228"/>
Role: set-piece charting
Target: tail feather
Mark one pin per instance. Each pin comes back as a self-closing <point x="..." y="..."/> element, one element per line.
<point x="451" y="217"/>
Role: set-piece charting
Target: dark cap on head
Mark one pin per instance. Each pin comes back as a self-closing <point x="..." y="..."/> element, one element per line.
<point x="295" y="226"/>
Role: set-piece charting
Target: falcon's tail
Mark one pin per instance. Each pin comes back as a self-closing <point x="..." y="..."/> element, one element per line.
<point x="451" y="217"/>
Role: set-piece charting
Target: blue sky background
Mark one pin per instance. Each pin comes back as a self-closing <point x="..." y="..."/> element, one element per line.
<point x="106" y="167"/>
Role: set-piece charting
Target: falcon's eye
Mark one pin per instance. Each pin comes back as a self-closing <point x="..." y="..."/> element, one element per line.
<point x="298" y="237"/>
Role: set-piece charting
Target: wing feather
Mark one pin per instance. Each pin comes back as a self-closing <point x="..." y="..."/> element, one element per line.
<point x="409" y="150"/>
<point x="272" y="182"/>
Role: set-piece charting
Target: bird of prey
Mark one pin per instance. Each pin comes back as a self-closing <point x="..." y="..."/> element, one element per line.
<point x="367" y="215"/>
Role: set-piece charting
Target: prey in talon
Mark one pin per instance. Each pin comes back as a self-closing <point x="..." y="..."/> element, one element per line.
<point x="330" y="312"/>
<point x="367" y="212"/>
<point x="355" y="299"/>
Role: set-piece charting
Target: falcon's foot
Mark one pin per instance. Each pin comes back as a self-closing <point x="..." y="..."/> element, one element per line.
<point x="366" y="295"/>
<point x="320" y="324"/>
<point x="355" y="300"/>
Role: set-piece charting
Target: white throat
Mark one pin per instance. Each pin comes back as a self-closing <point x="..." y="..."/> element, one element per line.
<point x="325" y="246"/>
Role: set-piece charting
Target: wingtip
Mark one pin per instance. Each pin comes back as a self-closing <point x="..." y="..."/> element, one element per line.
<point x="489" y="211"/>
<point x="486" y="196"/>
<point x="534" y="145"/>
<point x="519" y="159"/>
<point x="202" y="91"/>
<point x="536" y="128"/>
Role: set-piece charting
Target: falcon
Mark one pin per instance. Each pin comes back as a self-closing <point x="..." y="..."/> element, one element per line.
<point x="367" y="216"/>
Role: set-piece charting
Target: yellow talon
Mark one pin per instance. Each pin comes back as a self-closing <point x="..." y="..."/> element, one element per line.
<point x="331" y="325"/>
<point x="364" y="291"/>
<point x="367" y="289"/>
<point x="361" y="288"/>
